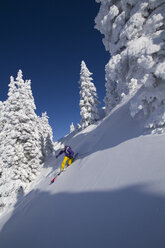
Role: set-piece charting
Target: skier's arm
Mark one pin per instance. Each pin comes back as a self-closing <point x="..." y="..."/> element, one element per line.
<point x="59" y="153"/>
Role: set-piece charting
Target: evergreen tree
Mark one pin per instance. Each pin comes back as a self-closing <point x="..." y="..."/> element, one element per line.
<point x="112" y="97"/>
<point x="2" y="120"/>
<point x="72" y="128"/>
<point x="78" y="126"/>
<point x="2" y="123"/>
<point x="88" y="98"/>
<point x="46" y="136"/>
<point x="134" y="36"/>
<point x="21" y="150"/>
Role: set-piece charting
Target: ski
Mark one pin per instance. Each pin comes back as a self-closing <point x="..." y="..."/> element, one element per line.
<point x="55" y="177"/>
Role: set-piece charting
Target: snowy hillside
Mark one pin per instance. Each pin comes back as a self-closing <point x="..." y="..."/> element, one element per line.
<point x="113" y="195"/>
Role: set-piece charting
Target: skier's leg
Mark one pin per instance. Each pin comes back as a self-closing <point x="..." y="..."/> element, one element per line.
<point x="64" y="162"/>
<point x="70" y="161"/>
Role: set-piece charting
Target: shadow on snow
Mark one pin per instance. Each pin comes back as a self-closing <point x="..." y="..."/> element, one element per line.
<point x="128" y="217"/>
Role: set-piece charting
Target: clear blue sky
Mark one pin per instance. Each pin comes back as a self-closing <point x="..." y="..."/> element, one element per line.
<point x="47" y="40"/>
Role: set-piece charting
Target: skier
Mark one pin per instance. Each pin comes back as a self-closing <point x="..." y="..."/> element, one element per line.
<point x="68" y="156"/>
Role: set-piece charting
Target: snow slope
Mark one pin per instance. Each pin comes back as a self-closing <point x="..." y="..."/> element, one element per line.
<point x="113" y="196"/>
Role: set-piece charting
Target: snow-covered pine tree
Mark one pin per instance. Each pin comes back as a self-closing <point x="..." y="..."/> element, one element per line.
<point x="134" y="36"/>
<point x="72" y="128"/>
<point x="112" y="97"/>
<point x="46" y="135"/>
<point x="21" y="151"/>
<point x="2" y="120"/>
<point x="78" y="127"/>
<point x="88" y="98"/>
<point x="2" y="123"/>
